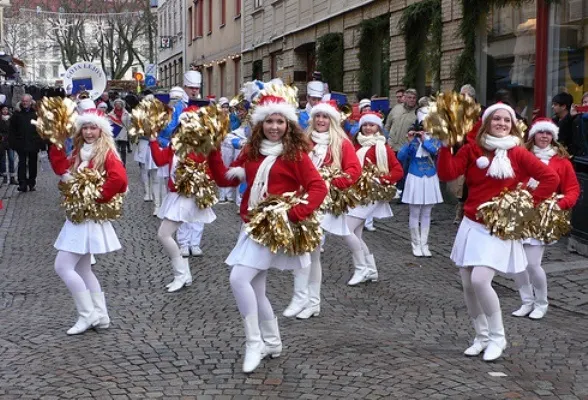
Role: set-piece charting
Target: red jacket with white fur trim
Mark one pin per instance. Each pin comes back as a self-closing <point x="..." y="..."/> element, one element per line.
<point x="285" y="176"/>
<point x="395" y="171"/>
<point x="116" y="174"/>
<point x="349" y="165"/>
<point x="482" y="188"/>
<point x="216" y="168"/>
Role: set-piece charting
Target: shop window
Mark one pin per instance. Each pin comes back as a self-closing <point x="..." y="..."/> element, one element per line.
<point x="257" y="70"/>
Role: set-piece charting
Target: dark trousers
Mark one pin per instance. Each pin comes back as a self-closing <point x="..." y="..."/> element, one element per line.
<point x="4" y="155"/>
<point x="122" y="151"/>
<point x="27" y="162"/>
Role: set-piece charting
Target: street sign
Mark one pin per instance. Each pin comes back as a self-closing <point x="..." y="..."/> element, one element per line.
<point x="138" y="76"/>
<point x="150" y="81"/>
<point x="151" y="69"/>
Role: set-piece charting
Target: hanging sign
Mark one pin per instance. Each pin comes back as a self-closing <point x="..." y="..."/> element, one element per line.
<point x="85" y="76"/>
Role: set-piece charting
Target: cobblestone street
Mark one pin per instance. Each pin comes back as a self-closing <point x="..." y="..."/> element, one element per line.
<point x="400" y="338"/>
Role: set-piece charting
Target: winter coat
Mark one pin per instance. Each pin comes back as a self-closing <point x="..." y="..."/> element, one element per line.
<point x="22" y="135"/>
<point x="4" y="129"/>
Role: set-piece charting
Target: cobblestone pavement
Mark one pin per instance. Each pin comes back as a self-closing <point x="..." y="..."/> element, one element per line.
<point x="399" y="338"/>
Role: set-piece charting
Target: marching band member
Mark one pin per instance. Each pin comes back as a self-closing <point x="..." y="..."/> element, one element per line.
<point x="315" y="91"/>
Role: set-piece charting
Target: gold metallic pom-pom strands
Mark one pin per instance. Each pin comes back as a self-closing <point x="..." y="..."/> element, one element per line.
<point x="338" y="201"/>
<point x="56" y="119"/>
<point x="551" y="222"/>
<point x="149" y="118"/>
<point x="192" y="180"/>
<point x="200" y="131"/>
<point x="451" y="117"/>
<point x="369" y="187"/>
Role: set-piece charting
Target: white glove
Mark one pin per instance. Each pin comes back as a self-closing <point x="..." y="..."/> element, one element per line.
<point x="66" y="177"/>
<point x="532" y="184"/>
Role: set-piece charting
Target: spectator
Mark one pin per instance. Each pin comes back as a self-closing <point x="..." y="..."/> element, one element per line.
<point x="120" y="119"/>
<point x="105" y="98"/>
<point x="561" y="105"/>
<point x="397" y="110"/>
<point x="401" y="125"/>
<point x="5" y="151"/>
<point x="580" y="128"/>
<point x="468" y="91"/>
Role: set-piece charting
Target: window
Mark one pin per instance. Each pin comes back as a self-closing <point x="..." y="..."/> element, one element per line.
<point x="237" y="77"/>
<point x="55" y="50"/>
<point x="56" y="71"/>
<point x="209" y="17"/>
<point x="257" y="3"/>
<point x="190" y="26"/>
<point x="257" y="70"/>
<point x="134" y="70"/>
<point x="222" y="69"/>
<point x="237" y="8"/>
<point x="42" y="71"/>
<point x="223" y="11"/>
<point x="199" y="18"/>
<point x="209" y="80"/>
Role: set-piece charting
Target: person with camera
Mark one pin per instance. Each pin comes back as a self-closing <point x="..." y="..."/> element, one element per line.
<point x="421" y="188"/>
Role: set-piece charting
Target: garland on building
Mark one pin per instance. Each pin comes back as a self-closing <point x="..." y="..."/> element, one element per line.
<point x="421" y="24"/>
<point x="330" y="60"/>
<point x="474" y="12"/>
<point x="372" y="30"/>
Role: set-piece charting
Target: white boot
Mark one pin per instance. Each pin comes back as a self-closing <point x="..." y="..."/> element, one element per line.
<point x="481" y="339"/>
<point x="182" y="274"/>
<point x="300" y="293"/>
<point x="314" y="306"/>
<point x="87" y="316"/>
<point x="425" y="241"/>
<point x="541" y="304"/>
<point x="372" y="271"/>
<point x="254" y="346"/>
<point x="528" y="298"/>
<point x="156" y="193"/>
<point x="361" y="269"/>
<point x="100" y="309"/>
<point x="270" y="333"/>
<point x="415" y="241"/>
<point x="92" y="259"/>
<point x="496" y="336"/>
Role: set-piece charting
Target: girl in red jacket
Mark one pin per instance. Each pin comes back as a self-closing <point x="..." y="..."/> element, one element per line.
<point x="177" y="209"/>
<point x="275" y="162"/>
<point x="330" y="147"/>
<point x="93" y="147"/>
<point x="493" y="162"/>
<point x="532" y="282"/>
<point x="370" y="145"/>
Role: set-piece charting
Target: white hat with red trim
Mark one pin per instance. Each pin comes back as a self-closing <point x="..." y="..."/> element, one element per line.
<point x="94" y="117"/>
<point x="328" y="108"/>
<point x="499" y="106"/>
<point x="371" y="118"/>
<point x="270" y="104"/>
<point x="544" y="125"/>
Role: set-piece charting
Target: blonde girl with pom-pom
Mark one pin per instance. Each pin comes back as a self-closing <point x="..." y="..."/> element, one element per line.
<point x="94" y="148"/>
<point x="493" y="162"/>
<point x="532" y="282"/>
<point x="371" y="148"/>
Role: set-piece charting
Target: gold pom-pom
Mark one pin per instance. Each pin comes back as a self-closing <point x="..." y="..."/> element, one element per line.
<point x="80" y="194"/>
<point x="369" y="187"/>
<point x="338" y="201"/>
<point x="56" y="119"/>
<point x="551" y="222"/>
<point x="269" y="226"/>
<point x="200" y="131"/>
<point x="509" y="215"/>
<point x="193" y="181"/>
<point x="451" y="117"/>
<point x="149" y="118"/>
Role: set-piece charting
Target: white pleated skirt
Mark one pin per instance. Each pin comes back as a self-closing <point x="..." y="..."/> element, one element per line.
<point x="87" y="237"/>
<point x="474" y="246"/>
<point x="176" y="207"/>
<point x="251" y="254"/>
<point x="143" y="154"/>
<point x="335" y="225"/>
<point x="422" y="190"/>
<point x="163" y="172"/>
<point x="378" y="210"/>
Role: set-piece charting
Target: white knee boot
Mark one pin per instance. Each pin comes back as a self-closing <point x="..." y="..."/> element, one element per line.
<point x="540" y="304"/>
<point x="372" y="271"/>
<point x="148" y="190"/>
<point x="182" y="274"/>
<point x="496" y="336"/>
<point x="300" y="293"/>
<point x="481" y="339"/>
<point x="100" y="309"/>
<point x="87" y="317"/>
<point x="313" y="307"/>
<point x="415" y="241"/>
<point x="424" y="239"/>
<point x="528" y="299"/>
<point x="156" y="195"/>
<point x="254" y="346"/>
<point x="361" y="271"/>
<point x="270" y="333"/>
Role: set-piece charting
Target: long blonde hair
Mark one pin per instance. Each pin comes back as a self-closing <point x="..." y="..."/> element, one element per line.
<point x="102" y="146"/>
<point x="336" y="138"/>
<point x="485" y="130"/>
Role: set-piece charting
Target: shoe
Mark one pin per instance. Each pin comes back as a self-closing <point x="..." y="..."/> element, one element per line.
<point x="13" y="181"/>
<point x="361" y="271"/>
<point x="372" y="271"/>
<point x="254" y="346"/>
<point x="155" y="211"/>
<point x="541" y="304"/>
<point x="92" y="259"/>
<point x="182" y="274"/>
<point x="299" y="294"/>
<point x="100" y="309"/>
<point x="424" y="242"/>
<point x="415" y="241"/>
<point x="185" y="251"/>
<point x="4" y="179"/>
<point x="270" y="334"/>
<point x="148" y="193"/>
<point x="370" y="228"/>
<point x="196" y="251"/>
<point x="87" y="317"/>
<point x="481" y="339"/>
<point x="496" y="337"/>
<point x="22" y="188"/>
<point x="528" y="298"/>
<point x="313" y="308"/>
<point x="32" y="188"/>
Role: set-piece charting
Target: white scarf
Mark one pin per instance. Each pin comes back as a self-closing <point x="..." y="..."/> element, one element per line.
<point x="5" y="117"/>
<point x="366" y="143"/>
<point x="500" y="167"/>
<point x="544" y="154"/>
<point x="260" y="184"/>
<point x="86" y="153"/>
<point x="321" y="147"/>
<point x="421" y="152"/>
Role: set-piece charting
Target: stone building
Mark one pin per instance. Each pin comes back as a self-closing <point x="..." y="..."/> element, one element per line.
<point x="171" y="43"/>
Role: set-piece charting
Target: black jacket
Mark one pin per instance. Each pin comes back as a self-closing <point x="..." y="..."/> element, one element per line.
<point x="566" y="134"/>
<point x="4" y="128"/>
<point x="23" y="134"/>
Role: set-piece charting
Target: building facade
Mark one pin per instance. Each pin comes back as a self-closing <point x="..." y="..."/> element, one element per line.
<point x="171" y="44"/>
<point x="213" y="44"/>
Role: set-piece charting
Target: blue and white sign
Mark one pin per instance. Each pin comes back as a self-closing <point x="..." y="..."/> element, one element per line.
<point x="85" y="76"/>
<point x="150" y="81"/>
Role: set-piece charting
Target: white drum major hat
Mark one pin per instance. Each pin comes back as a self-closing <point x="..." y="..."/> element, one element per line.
<point x="193" y="79"/>
<point x="315" y="89"/>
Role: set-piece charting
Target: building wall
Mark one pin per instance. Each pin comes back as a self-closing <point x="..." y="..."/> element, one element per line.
<point x="170" y="33"/>
<point x="214" y="44"/>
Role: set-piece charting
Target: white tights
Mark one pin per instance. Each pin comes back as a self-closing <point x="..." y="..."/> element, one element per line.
<point x="354" y="241"/>
<point x="419" y="213"/>
<point x="534" y="274"/>
<point x="165" y="235"/>
<point x="76" y="272"/>
<point x="248" y="285"/>
<point x="479" y="295"/>
<point x="147" y="174"/>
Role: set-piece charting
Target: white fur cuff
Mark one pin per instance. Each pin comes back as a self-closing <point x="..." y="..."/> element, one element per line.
<point x="236" y="172"/>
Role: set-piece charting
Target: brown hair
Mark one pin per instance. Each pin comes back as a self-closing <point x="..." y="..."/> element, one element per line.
<point x="560" y="150"/>
<point x="485" y="129"/>
<point x="294" y="140"/>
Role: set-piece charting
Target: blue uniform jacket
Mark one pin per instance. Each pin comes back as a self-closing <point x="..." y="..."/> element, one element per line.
<point x="303" y="119"/>
<point x="165" y="135"/>
<point x="420" y="166"/>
